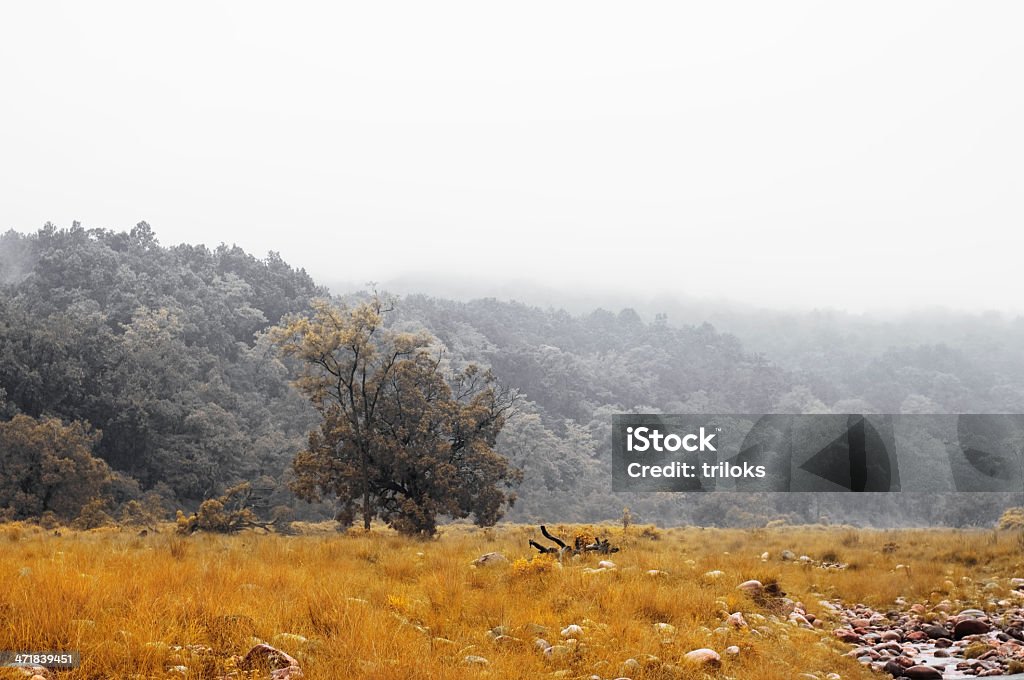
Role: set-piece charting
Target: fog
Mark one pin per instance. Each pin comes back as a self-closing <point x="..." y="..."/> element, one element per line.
<point x="862" y="157"/>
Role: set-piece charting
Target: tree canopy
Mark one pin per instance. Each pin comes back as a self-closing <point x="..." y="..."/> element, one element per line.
<point x="402" y="436"/>
<point x="162" y="355"/>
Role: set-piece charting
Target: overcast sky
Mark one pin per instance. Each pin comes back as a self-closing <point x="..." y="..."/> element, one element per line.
<point x="864" y="156"/>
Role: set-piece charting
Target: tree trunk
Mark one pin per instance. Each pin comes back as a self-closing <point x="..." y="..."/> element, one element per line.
<point x="366" y="494"/>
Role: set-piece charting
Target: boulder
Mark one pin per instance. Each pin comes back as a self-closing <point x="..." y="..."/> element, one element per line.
<point x="966" y="627"/>
<point x="751" y="587"/>
<point x="490" y="559"/>
<point x="922" y="673"/>
<point x="703" y="657"/>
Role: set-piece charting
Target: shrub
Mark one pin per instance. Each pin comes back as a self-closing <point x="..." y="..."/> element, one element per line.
<point x="1012" y="518"/>
<point x="93" y="515"/>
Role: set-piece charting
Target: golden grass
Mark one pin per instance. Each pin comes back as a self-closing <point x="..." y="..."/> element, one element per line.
<point x="380" y="606"/>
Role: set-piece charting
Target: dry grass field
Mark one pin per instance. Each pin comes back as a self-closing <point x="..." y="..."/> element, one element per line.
<point x="380" y="606"/>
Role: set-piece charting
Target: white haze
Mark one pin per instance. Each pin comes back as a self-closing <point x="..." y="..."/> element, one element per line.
<point x="864" y="156"/>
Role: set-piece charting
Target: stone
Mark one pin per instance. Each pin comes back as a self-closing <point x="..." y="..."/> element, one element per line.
<point x="922" y="673"/>
<point x="281" y="666"/>
<point x="37" y="672"/>
<point x="557" y="652"/>
<point x="490" y="559"/>
<point x="966" y="627"/>
<point x="507" y="641"/>
<point x="751" y="587"/>
<point x="704" y="657"/>
<point x="606" y="564"/>
<point x="474" y="660"/>
<point x="736" y="620"/>
<point x="788" y="555"/>
<point x="665" y="628"/>
<point x="847" y="635"/>
<point x="290" y="638"/>
<point x="571" y="631"/>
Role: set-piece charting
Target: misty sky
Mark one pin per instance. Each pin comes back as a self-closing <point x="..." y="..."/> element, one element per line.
<point x="864" y="156"/>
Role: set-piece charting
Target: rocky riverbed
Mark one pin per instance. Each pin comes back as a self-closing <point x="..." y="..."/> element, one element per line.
<point x="940" y="641"/>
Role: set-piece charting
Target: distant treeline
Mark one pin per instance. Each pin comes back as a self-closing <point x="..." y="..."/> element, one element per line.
<point x="155" y="363"/>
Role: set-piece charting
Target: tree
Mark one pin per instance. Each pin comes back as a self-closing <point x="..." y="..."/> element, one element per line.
<point x="401" y="437"/>
<point x="48" y="466"/>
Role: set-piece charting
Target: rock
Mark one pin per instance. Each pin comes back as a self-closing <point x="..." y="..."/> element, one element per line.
<point x="788" y="555"/>
<point x="893" y="668"/>
<point x="507" y="641"/>
<point x="966" y="627"/>
<point x="290" y="638"/>
<point x="751" y="587"/>
<point x="571" y="631"/>
<point x="736" y="620"/>
<point x="847" y="635"/>
<point x="37" y="672"/>
<point x="713" y="575"/>
<point x="922" y="673"/>
<point x="557" y="652"/>
<point x="934" y="632"/>
<point x="541" y="644"/>
<point x="732" y="650"/>
<point x="606" y="564"/>
<point x="490" y="559"/>
<point x="656" y="572"/>
<point x="264" y="657"/>
<point x="704" y="657"/>
<point x="630" y="666"/>
<point x="474" y="660"/>
<point x="799" y="620"/>
<point x="665" y="628"/>
<point x="764" y="556"/>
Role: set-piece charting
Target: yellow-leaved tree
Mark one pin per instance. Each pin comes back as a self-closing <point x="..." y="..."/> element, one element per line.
<point x="401" y="437"/>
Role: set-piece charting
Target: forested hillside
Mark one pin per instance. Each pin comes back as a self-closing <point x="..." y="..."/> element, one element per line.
<point x="151" y="366"/>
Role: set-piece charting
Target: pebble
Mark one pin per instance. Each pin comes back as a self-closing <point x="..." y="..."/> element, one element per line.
<point x="911" y="643"/>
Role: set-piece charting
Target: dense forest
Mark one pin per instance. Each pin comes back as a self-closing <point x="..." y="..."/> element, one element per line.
<point x="136" y="377"/>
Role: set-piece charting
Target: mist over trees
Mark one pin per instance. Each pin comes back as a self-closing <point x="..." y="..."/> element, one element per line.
<point x="149" y="374"/>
